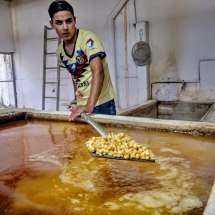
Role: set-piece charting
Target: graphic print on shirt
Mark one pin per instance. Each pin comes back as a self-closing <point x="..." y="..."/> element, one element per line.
<point x="79" y="59"/>
<point x="79" y="67"/>
<point x="80" y="95"/>
<point x="90" y="43"/>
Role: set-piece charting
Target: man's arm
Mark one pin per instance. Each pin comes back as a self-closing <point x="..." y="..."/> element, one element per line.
<point x="96" y="88"/>
<point x="75" y="97"/>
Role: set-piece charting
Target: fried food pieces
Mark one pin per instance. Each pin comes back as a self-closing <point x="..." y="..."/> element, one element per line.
<point x="119" y="145"/>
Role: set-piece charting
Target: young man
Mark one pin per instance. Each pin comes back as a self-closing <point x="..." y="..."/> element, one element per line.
<point x="82" y="53"/>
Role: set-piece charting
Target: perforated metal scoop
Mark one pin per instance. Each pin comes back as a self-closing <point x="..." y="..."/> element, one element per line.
<point x="102" y="132"/>
<point x="121" y="158"/>
<point x="141" y="53"/>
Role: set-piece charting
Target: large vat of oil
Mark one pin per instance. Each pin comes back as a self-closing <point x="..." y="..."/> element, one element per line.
<point x="46" y="169"/>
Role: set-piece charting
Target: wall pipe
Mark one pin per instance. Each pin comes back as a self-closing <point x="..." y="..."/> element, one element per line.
<point x="112" y="56"/>
<point x="183" y="81"/>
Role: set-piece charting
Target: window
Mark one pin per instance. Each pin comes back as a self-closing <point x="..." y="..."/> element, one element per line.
<point x="7" y="82"/>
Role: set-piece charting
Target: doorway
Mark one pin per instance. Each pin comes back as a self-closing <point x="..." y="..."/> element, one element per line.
<point x="132" y="81"/>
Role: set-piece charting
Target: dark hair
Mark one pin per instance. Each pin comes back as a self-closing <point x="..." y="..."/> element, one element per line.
<point x="59" y="5"/>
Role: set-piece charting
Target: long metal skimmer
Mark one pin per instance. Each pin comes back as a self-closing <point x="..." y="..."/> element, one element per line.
<point x="102" y="132"/>
<point x="98" y="128"/>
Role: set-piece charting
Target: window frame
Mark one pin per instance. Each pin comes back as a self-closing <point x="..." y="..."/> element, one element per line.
<point x="13" y="79"/>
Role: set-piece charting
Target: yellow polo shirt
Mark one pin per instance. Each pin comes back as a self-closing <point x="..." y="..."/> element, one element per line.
<point x="87" y="46"/>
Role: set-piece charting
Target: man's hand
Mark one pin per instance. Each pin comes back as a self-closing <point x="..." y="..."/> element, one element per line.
<point x="72" y="102"/>
<point x="77" y="111"/>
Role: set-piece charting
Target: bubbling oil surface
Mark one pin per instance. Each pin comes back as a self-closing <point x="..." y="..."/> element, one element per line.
<point x="46" y="169"/>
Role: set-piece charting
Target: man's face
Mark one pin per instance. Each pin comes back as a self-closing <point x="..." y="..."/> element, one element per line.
<point x="64" y="24"/>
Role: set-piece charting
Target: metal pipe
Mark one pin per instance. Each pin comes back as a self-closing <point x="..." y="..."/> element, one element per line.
<point x="98" y="128"/>
<point x="183" y="81"/>
<point x="135" y="11"/>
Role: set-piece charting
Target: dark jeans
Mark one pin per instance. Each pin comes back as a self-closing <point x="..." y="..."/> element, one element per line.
<point x="107" y="108"/>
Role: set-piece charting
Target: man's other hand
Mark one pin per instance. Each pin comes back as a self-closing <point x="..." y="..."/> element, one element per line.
<point x="72" y="102"/>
